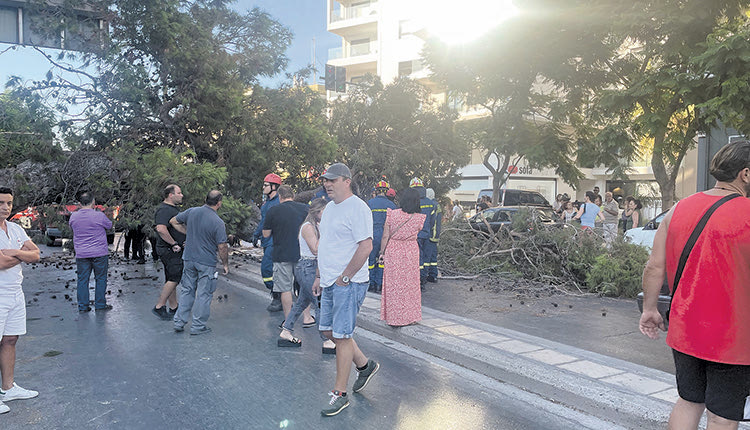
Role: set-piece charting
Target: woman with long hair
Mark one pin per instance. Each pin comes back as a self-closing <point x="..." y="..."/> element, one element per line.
<point x="401" y="299"/>
<point x="634" y="220"/>
<point x="304" y="273"/>
<point x="588" y="211"/>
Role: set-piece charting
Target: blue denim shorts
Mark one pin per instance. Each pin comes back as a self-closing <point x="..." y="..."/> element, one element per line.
<point x="339" y="307"/>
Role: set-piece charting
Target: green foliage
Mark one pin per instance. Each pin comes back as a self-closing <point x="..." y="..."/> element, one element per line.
<point x="26" y="130"/>
<point x="237" y="216"/>
<point x="618" y="272"/>
<point x="397" y="131"/>
<point x="563" y="255"/>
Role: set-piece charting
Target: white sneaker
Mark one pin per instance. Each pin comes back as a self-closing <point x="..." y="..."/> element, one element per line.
<point x="4" y="408"/>
<point x="17" y="393"/>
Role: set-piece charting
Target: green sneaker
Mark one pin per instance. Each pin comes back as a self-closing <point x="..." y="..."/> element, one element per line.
<point x="364" y="376"/>
<point x="337" y="404"/>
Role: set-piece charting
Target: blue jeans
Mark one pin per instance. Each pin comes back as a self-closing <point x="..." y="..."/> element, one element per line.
<point x="196" y="292"/>
<point x="304" y="273"/>
<point x="83" y="269"/>
<point x="339" y="307"/>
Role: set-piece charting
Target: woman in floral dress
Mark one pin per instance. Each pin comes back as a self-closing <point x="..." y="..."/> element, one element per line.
<point x="401" y="299"/>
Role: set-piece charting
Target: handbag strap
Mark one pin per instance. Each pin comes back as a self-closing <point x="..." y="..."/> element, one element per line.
<point x="694" y="237"/>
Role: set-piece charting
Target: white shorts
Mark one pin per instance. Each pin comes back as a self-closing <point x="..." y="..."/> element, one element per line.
<point x="13" y="314"/>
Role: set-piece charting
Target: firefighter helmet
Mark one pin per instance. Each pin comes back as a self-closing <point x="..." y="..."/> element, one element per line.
<point x="416" y="182"/>
<point x="382" y="184"/>
<point x="272" y="178"/>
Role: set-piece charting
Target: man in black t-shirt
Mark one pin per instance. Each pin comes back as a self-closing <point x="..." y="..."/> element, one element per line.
<point x="169" y="247"/>
<point x="283" y="222"/>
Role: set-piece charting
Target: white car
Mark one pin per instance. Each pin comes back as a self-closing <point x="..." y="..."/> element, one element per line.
<point x="644" y="236"/>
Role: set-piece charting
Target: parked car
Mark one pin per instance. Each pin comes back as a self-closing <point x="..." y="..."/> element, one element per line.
<point x="512" y="197"/>
<point x="644" y="236"/>
<point x="498" y="217"/>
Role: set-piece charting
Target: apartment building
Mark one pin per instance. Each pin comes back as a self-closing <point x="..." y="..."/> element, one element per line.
<point x="385" y="38"/>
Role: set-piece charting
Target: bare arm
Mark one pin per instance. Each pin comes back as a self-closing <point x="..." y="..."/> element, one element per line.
<point x="178" y="225"/>
<point x="580" y="212"/>
<point x="636" y="217"/>
<point x="224" y="256"/>
<point x="611" y="211"/>
<point x="164" y="234"/>
<point x="360" y="256"/>
<point x="308" y="234"/>
<point x="385" y="239"/>
<point x="29" y="253"/>
<point x="653" y="277"/>
<point x="6" y="261"/>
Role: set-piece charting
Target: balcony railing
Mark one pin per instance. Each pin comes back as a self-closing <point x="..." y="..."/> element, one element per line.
<point x="342" y="13"/>
<point x="355" y="50"/>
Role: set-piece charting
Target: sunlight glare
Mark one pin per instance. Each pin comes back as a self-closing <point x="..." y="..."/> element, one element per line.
<point x="461" y="22"/>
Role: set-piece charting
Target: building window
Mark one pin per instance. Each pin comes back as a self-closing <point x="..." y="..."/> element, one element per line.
<point x="359" y="47"/>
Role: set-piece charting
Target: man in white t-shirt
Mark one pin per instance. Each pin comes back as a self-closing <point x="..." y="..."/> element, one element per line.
<point x="342" y="281"/>
<point x="15" y="247"/>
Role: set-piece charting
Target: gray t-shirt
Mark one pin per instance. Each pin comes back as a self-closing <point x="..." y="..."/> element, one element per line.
<point x="608" y="217"/>
<point x="205" y="231"/>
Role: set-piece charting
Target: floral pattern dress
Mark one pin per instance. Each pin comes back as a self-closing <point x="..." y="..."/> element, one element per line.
<point x="401" y="299"/>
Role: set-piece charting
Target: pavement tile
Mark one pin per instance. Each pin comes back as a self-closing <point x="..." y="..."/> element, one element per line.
<point x="457" y="330"/>
<point x="516" y="346"/>
<point x="371" y="303"/>
<point x="671" y="395"/>
<point x="484" y="337"/>
<point x="637" y="383"/>
<point x="549" y="356"/>
<point x="591" y="369"/>
<point x="435" y="322"/>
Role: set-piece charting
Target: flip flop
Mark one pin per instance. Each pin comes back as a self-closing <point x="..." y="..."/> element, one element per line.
<point x="310" y="324"/>
<point x="288" y="343"/>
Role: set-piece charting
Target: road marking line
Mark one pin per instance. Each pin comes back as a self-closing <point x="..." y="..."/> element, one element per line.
<point x="637" y="383"/>
<point x="516" y="346"/>
<point x="591" y="369"/>
<point x="549" y="356"/>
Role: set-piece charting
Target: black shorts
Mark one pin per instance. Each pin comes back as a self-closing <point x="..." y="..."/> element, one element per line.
<point x="172" y="264"/>
<point x="724" y="388"/>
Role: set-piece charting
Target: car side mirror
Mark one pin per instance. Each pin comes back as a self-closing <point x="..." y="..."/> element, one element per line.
<point x="651" y="225"/>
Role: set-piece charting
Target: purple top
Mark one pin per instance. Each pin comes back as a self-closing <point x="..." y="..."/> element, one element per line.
<point x="90" y="233"/>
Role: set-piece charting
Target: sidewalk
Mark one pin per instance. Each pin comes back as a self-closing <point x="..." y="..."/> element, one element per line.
<point x="630" y="394"/>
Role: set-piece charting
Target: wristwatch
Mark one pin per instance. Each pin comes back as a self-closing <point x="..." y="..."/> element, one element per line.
<point x="345" y="279"/>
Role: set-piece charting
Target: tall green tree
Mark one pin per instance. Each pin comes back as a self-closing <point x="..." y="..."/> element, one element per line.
<point x="398" y="131"/>
<point x="26" y="129"/>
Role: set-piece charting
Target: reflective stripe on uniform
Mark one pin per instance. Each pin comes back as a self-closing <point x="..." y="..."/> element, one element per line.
<point x="268" y="279"/>
<point x="371" y="266"/>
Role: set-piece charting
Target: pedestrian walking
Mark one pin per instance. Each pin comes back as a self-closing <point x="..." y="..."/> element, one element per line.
<point x="205" y="235"/>
<point x="169" y="247"/>
<point x="378" y="206"/>
<point x="587" y="212"/>
<point x="15" y="248"/>
<point x="90" y="243"/>
<point x="343" y="278"/>
<point x="401" y="301"/>
<point x="271" y="184"/>
<point x="702" y="246"/>
<point x="304" y="273"/>
<point x="282" y="223"/>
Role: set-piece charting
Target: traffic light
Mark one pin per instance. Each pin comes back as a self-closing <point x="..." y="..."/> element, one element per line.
<point x="330" y="77"/>
<point x="341" y="79"/>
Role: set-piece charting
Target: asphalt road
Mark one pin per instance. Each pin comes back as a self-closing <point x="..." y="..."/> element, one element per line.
<point x="127" y="369"/>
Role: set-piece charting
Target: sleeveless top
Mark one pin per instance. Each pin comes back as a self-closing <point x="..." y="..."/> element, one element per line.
<point x="304" y="250"/>
<point x="710" y="316"/>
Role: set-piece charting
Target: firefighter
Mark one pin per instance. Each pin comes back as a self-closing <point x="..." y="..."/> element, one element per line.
<point x="271" y="183"/>
<point x="379" y="206"/>
<point x="429" y="208"/>
<point x="432" y="243"/>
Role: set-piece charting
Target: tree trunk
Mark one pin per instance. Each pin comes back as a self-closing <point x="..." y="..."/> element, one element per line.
<point x="665" y="180"/>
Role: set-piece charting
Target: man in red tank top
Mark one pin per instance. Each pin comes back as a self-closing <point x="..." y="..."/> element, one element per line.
<point x="709" y="322"/>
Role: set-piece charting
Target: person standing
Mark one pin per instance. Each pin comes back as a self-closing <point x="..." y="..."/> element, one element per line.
<point x="378" y="206"/>
<point x="282" y="223"/>
<point x="169" y="247"/>
<point x="610" y="212"/>
<point x="458" y="211"/>
<point x="431" y="246"/>
<point x="271" y="184"/>
<point x="304" y="273"/>
<point x="587" y="212"/>
<point x="427" y="207"/>
<point x="205" y="235"/>
<point x="709" y="318"/>
<point x="342" y="280"/>
<point x="90" y="243"/>
<point x="15" y="248"/>
<point x="401" y="302"/>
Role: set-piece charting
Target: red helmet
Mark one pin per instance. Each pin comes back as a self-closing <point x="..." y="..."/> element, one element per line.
<point x="382" y="184"/>
<point x="272" y="178"/>
<point x="391" y="192"/>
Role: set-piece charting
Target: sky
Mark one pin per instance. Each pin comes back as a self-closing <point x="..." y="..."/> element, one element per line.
<point x="305" y="18"/>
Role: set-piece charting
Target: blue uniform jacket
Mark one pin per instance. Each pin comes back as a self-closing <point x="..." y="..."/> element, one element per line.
<point x="379" y="206"/>
<point x="429" y="208"/>
<point x="265" y="241"/>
